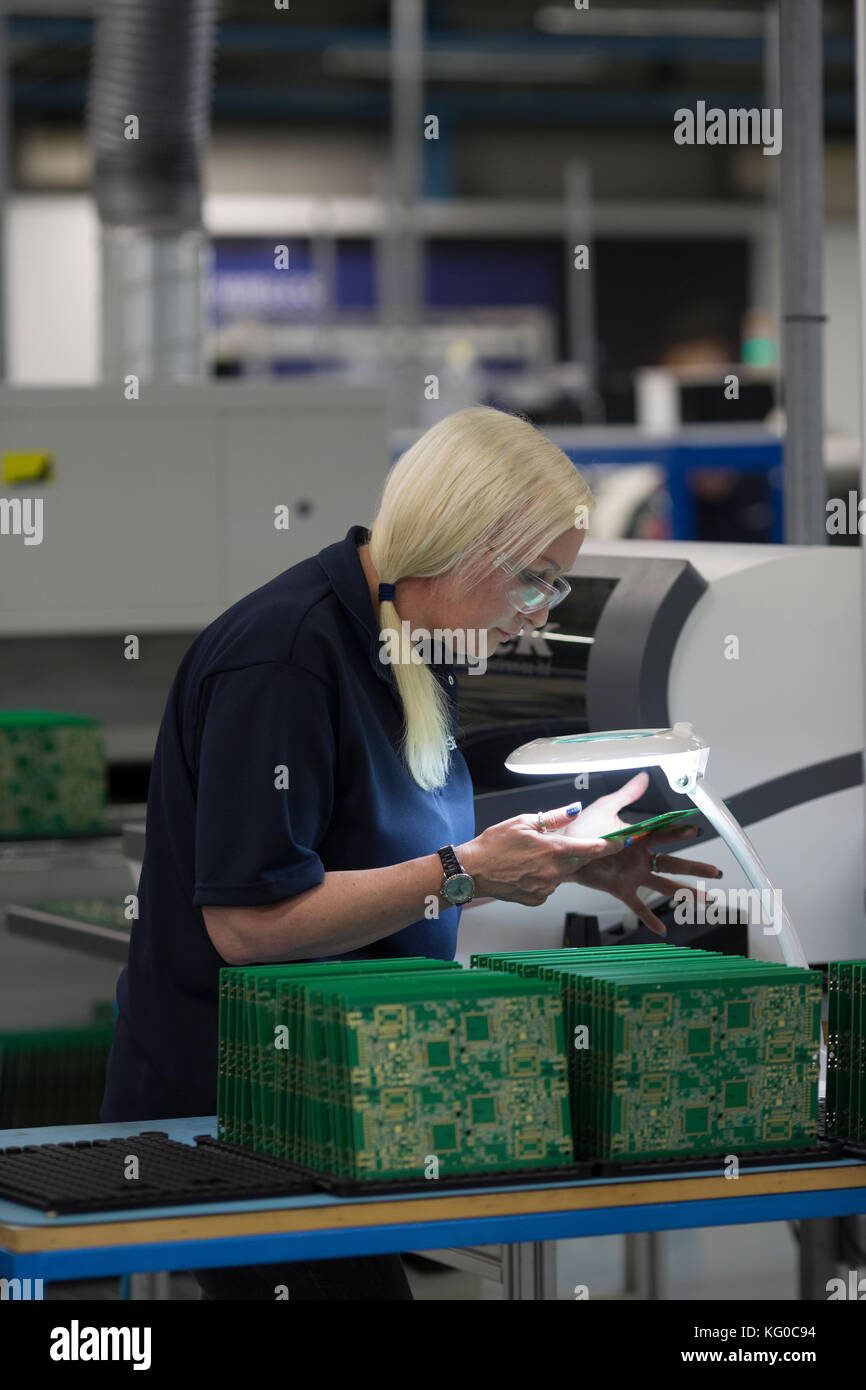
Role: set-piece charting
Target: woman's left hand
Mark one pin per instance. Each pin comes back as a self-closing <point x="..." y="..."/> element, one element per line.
<point x="622" y="874"/>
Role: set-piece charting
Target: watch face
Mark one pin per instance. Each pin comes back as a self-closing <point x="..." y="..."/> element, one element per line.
<point x="460" y="889"/>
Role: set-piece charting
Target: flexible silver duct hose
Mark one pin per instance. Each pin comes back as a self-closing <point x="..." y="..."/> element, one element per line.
<point x="148" y="115"/>
<point x="152" y="60"/>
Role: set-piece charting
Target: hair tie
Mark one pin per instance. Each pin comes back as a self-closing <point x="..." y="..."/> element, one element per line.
<point x="387" y="591"/>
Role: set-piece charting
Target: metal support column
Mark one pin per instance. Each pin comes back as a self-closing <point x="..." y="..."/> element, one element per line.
<point x="819" y="1255"/>
<point x="401" y="290"/>
<point x="860" y="41"/>
<point x="4" y="175"/>
<point x="582" y="336"/>
<point x="802" y="208"/>
<point x="529" y="1270"/>
<point x="645" y="1275"/>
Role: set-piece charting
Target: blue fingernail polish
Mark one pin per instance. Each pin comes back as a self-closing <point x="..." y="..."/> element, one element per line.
<point x="627" y="842"/>
<point x="574" y="810"/>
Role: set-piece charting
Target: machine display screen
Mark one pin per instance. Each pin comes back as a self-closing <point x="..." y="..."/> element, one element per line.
<point x="534" y="685"/>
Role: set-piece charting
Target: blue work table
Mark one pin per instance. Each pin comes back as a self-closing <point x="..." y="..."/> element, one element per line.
<point x="263" y="1231"/>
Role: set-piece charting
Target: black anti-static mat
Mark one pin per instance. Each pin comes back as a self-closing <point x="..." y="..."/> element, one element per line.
<point x="340" y="1186"/>
<point x="88" y="1175"/>
<point x="822" y="1151"/>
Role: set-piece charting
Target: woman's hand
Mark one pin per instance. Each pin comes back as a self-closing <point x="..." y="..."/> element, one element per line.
<point x="621" y="877"/>
<point x="602" y="815"/>
<point x="632" y="870"/>
<point x="518" y="863"/>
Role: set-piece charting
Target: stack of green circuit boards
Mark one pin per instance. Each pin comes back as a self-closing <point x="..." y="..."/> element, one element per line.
<point x="98" y="912"/>
<point x="675" y="1051"/>
<point x="53" y="778"/>
<point x="400" y="1068"/>
<point x="846" y="1049"/>
<point x="54" y="1076"/>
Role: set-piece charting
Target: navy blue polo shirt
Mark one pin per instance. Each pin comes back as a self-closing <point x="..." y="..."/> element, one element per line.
<point x="288" y="678"/>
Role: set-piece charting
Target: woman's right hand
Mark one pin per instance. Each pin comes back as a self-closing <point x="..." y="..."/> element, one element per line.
<point x="518" y="863"/>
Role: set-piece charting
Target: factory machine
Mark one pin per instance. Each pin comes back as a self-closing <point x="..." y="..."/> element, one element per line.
<point x="759" y="647"/>
<point x="130" y="517"/>
<point x="155" y="514"/>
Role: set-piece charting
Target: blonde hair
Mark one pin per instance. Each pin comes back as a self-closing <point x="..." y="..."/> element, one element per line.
<point x="476" y="474"/>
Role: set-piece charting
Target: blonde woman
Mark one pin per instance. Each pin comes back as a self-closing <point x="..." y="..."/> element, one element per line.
<point x="307" y="799"/>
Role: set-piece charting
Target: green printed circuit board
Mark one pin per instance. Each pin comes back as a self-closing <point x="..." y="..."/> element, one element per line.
<point x="55" y="1076"/>
<point x="393" y="1068"/>
<point x="846" y="1050"/>
<point x="675" y="1051"/>
<point x="53" y="778"/>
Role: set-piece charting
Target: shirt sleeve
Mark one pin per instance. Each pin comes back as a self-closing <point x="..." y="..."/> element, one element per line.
<point x="265" y="783"/>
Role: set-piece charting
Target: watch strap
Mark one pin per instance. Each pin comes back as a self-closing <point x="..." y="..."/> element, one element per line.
<point x="450" y="863"/>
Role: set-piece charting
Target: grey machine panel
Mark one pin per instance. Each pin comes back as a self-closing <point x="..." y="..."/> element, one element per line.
<point x="161" y="513"/>
<point x="636" y="617"/>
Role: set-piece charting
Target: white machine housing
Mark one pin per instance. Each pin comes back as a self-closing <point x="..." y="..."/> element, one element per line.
<point x="765" y="659"/>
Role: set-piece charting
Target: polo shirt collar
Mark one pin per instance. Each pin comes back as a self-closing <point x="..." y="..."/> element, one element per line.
<point x="342" y="564"/>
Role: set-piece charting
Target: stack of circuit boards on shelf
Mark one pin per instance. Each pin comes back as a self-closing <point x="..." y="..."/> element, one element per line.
<point x="99" y="912"/>
<point x="54" y="1076"/>
<point x="393" y="1069"/>
<point x="846" y="1050"/>
<point x="675" y="1051"/>
<point x="53" y="778"/>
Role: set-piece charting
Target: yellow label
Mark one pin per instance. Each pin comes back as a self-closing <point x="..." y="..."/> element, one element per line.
<point x="28" y="468"/>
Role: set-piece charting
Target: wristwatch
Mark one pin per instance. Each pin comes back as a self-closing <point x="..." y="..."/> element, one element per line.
<point x="457" y="886"/>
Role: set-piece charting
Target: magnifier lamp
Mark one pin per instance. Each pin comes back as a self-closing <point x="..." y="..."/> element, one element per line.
<point x="682" y="756"/>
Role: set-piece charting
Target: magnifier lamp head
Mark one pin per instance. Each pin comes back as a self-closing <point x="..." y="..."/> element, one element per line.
<point x="682" y="756"/>
<point x="679" y="752"/>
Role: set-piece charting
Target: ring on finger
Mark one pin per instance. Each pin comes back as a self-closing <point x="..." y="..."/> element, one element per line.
<point x="542" y="823"/>
<point x="654" y="863"/>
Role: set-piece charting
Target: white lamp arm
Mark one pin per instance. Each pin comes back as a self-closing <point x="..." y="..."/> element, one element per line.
<point x="749" y="861"/>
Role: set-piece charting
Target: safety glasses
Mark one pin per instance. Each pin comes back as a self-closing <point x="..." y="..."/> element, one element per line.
<point x="528" y="591"/>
